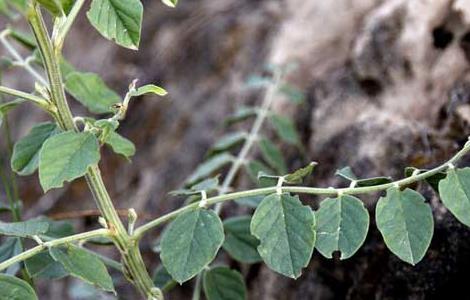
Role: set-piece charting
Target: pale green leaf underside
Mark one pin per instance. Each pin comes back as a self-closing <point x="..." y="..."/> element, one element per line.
<point x="286" y="231"/>
<point x="91" y="91"/>
<point x="118" y="20"/>
<point x="342" y="225"/>
<point x="24" y="229"/>
<point x="190" y="243"/>
<point x="222" y="283"/>
<point x="239" y="242"/>
<point x="12" y="288"/>
<point x="25" y="157"/>
<point x="455" y="193"/>
<point x="65" y="157"/>
<point x="83" y="265"/>
<point x="406" y="223"/>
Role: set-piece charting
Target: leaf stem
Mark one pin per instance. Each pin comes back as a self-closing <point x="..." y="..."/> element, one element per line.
<point x="330" y="191"/>
<point x="54" y="243"/>
<point x="15" y="93"/>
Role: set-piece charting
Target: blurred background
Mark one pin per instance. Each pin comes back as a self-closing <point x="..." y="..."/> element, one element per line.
<point x="386" y="85"/>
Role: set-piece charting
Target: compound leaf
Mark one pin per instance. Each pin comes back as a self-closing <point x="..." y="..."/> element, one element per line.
<point x="239" y="242"/>
<point x="222" y="283"/>
<point x="66" y="156"/>
<point x="342" y="225"/>
<point x="286" y="231"/>
<point x="25" y="157"/>
<point x="406" y="223"/>
<point x="118" y="20"/>
<point x="190" y="243"/>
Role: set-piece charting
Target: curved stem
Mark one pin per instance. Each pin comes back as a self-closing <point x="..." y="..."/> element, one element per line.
<point x="330" y="191"/>
<point x="54" y="243"/>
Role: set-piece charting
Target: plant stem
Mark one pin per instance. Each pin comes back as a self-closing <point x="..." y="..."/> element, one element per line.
<point x="128" y="247"/>
<point x="54" y="243"/>
<point x="331" y="191"/>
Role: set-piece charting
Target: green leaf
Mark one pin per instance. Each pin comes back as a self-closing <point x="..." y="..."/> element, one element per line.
<point x="118" y="20"/>
<point x="349" y="175"/>
<point x="250" y="201"/>
<point x="190" y="243"/>
<point x="170" y="3"/>
<point x="149" y="89"/>
<point x="272" y="155"/>
<point x="209" y="166"/>
<point x="222" y="283"/>
<point x="292" y="93"/>
<point x="286" y="231"/>
<point x="255" y="167"/>
<point x="208" y="185"/>
<point x="65" y="157"/>
<point x="239" y="242"/>
<point x="24" y="229"/>
<point x="342" y="225"/>
<point x="162" y="279"/>
<point x="228" y="141"/>
<point x="285" y="128"/>
<point x="406" y="223"/>
<point x="43" y="266"/>
<point x="298" y="176"/>
<point x="83" y="265"/>
<point x="120" y="144"/>
<point x="241" y="114"/>
<point x="25" y="157"/>
<point x="10" y="247"/>
<point x="90" y="90"/>
<point x="12" y="288"/>
<point x="455" y="193"/>
<point x="57" y="7"/>
<point x="432" y="180"/>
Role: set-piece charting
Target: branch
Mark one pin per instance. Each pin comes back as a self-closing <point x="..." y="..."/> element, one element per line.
<point x="331" y="191"/>
<point x="54" y="243"/>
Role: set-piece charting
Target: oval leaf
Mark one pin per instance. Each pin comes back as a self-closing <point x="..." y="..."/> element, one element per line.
<point x="118" y="20"/>
<point x="455" y="193"/>
<point x="239" y="242"/>
<point x="120" y="144"/>
<point x="222" y="283"/>
<point x="406" y="223"/>
<point x="190" y="243"/>
<point x="13" y="288"/>
<point x="342" y="225"/>
<point x="25" y="157"/>
<point x="66" y="156"/>
<point x="285" y="228"/>
<point x="83" y="265"/>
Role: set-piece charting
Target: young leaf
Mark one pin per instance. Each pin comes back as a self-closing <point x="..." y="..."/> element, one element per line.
<point x="25" y="157"/>
<point x="65" y="157"/>
<point x="162" y="279"/>
<point x="118" y="20"/>
<point x="12" y="288"/>
<point x="222" y="283"/>
<point x="285" y="128"/>
<point x="83" y="265"/>
<point x="43" y="266"/>
<point x="239" y="242"/>
<point x="272" y="155"/>
<point x="209" y="166"/>
<point x="286" y="231"/>
<point x="120" y="144"/>
<point x="455" y="193"/>
<point x="149" y="89"/>
<point x="170" y="3"/>
<point x="342" y="225"/>
<point x="406" y="223"/>
<point x="90" y="90"/>
<point x="190" y="243"/>
<point x="228" y="141"/>
<point x="24" y="229"/>
<point x="298" y="176"/>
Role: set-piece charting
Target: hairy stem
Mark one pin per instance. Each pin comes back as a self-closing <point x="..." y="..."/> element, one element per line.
<point x="132" y="260"/>
<point x="330" y="191"/>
